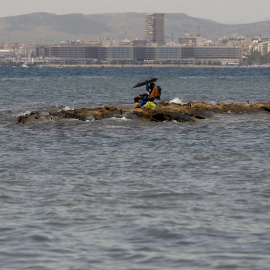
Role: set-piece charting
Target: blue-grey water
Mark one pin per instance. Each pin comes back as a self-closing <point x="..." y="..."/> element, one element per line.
<point x="127" y="194"/>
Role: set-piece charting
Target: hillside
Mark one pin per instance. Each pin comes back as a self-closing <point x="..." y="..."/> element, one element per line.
<point x="51" y="28"/>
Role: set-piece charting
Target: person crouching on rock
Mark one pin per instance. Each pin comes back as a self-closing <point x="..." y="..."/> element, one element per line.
<point x="154" y="91"/>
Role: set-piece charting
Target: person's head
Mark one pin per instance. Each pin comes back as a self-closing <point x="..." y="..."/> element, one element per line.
<point x="152" y="85"/>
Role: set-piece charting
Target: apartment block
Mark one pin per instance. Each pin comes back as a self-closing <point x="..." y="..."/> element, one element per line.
<point x="154" y="28"/>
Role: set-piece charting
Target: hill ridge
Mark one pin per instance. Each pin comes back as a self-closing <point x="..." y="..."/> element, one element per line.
<point x="50" y="28"/>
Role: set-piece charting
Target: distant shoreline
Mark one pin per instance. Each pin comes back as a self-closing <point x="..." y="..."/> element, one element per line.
<point x="130" y="66"/>
<point x="153" y="66"/>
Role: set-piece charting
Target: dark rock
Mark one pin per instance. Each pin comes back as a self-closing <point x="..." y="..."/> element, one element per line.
<point x="199" y="117"/>
<point x="266" y="108"/>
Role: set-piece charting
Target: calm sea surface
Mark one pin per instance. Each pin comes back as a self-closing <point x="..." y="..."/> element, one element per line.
<point x="126" y="194"/>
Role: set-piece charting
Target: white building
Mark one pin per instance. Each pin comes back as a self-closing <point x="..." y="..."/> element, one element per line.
<point x="5" y="53"/>
<point x="263" y="48"/>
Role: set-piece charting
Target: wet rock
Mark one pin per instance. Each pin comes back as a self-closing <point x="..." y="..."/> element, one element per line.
<point x="82" y="114"/>
<point x="179" y="117"/>
<point x="165" y="111"/>
<point x="34" y="117"/>
<point x="266" y="108"/>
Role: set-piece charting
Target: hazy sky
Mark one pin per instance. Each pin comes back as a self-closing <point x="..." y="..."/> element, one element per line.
<point x="224" y="11"/>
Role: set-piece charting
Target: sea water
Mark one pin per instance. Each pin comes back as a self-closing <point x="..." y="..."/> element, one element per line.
<point x="126" y="194"/>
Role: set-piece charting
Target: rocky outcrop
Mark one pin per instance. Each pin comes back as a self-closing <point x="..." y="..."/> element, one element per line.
<point x="165" y="111"/>
<point x="82" y="114"/>
<point x="195" y="110"/>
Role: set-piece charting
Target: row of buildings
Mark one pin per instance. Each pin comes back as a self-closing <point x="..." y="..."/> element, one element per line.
<point x="141" y="54"/>
<point x="189" y="49"/>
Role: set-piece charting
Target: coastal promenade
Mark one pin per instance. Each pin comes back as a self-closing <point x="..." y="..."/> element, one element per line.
<point x="156" y="66"/>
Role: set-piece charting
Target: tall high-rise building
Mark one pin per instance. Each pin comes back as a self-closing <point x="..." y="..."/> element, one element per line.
<point x="154" y="28"/>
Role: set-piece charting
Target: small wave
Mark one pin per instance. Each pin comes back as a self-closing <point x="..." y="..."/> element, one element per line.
<point x="119" y="118"/>
<point x="122" y="118"/>
<point x="177" y="100"/>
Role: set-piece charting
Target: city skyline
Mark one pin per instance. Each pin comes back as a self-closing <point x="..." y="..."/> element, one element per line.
<point x="229" y="12"/>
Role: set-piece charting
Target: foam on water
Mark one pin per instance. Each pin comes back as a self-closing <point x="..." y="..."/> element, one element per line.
<point x="120" y="118"/>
